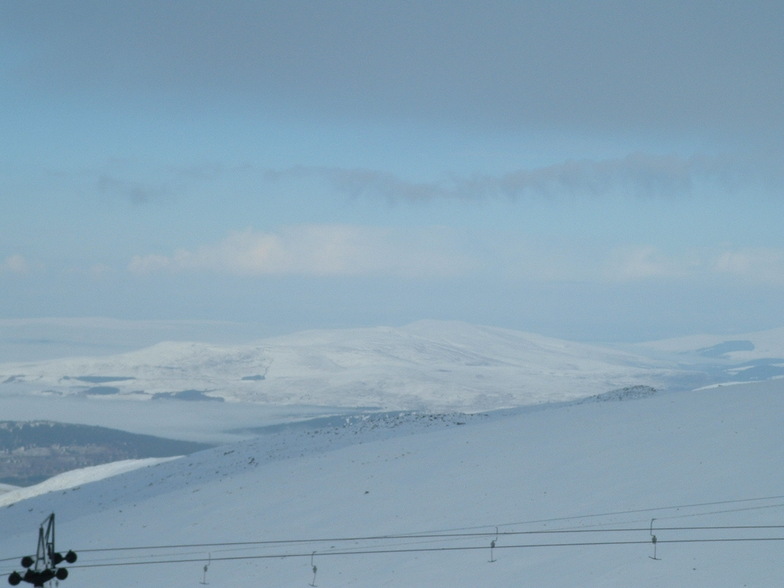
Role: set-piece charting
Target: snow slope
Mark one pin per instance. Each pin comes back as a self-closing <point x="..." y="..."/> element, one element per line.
<point x="73" y="478"/>
<point x="569" y="493"/>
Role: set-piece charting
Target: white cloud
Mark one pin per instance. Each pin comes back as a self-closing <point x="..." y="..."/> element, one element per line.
<point x="578" y="261"/>
<point x="648" y="262"/>
<point x="15" y="264"/>
<point x="344" y="250"/>
<point x="319" y="250"/>
<point x="760" y="265"/>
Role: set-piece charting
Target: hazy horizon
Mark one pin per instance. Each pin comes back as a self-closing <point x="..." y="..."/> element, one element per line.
<point x="593" y="172"/>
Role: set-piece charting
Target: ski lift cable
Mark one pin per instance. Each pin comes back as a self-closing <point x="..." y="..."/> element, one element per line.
<point x="403" y="541"/>
<point x="401" y="536"/>
<point x="285" y="555"/>
<point x="398" y="550"/>
<point x="676" y="507"/>
<point x="444" y="532"/>
<point x="410" y="536"/>
<point x="228" y="546"/>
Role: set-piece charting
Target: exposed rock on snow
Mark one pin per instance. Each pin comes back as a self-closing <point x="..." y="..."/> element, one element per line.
<point x="627" y="393"/>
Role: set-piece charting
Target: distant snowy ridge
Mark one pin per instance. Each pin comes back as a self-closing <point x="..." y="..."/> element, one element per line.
<point x="426" y="365"/>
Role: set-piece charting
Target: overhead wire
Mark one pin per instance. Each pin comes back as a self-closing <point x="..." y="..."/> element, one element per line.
<point x="493" y="529"/>
<point x="410" y="548"/>
<point x="432" y="550"/>
<point x="405" y="542"/>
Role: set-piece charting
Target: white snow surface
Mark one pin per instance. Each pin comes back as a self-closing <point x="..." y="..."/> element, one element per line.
<point x="571" y="494"/>
<point x="74" y="478"/>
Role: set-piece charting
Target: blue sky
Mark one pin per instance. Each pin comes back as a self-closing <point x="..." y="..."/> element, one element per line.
<point x="589" y="170"/>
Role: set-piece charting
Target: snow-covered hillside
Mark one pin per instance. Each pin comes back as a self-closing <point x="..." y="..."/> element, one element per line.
<point x="426" y="365"/>
<point x="12" y="494"/>
<point x="569" y="494"/>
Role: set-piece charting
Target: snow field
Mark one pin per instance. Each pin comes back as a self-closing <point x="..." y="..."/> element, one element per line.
<point x="404" y="490"/>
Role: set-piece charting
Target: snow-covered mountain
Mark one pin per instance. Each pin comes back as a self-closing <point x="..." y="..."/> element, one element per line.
<point x="426" y="365"/>
<point x="429" y="365"/>
<point x="555" y="495"/>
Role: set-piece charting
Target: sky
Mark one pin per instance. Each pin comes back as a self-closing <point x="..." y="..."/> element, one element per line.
<point x="599" y="171"/>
